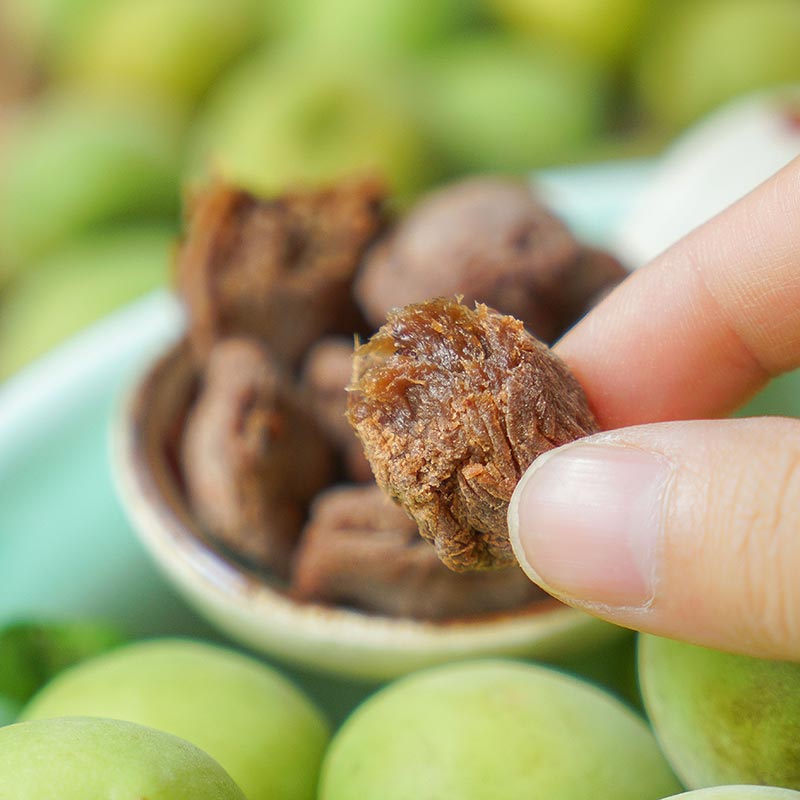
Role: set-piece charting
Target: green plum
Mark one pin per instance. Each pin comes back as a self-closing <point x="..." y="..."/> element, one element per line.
<point x="259" y="726"/>
<point x="172" y="50"/>
<point x="366" y="28"/>
<point x="75" y="758"/>
<point x="722" y="718"/>
<point x="31" y="653"/>
<point x="495" y="104"/>
<point x="70" y="163"/>
<point x="77" y="285"/>
<point x="282" y="120"/>
<point x="701" y="54"/>
<point x="602" y="30"/>
<point x="494" y="729"/>
<point x="739" y="793"/>
<point x="282" y="21"/>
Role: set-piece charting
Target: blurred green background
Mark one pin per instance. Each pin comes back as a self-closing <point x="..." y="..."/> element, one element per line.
<point x="111" y="110"/>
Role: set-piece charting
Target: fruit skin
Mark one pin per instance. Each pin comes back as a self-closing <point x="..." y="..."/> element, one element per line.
<point x="290" y="118"/>
<point x="494" y="729"/>
<point x="172" y="50"/>
<point x="367" y="29"/>
<point x="259" y="727"/>
<point x="722" y="718"/>
<point x="603" y="30"/>
<point x="699" y="55"/>
<point x="76" y="758"/>
<point x="497" y="104"/>
<point x="90" y="277"/>
<point x="739" y="793"/>
<point x="70" y="163"/>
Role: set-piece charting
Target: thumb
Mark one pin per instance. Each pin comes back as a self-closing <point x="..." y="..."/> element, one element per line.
<point x="688" y="529"/>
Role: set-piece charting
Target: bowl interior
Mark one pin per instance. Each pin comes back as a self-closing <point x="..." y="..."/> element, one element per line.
<point x="253" y="607"/>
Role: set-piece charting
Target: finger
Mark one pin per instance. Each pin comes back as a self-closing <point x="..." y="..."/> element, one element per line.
<point x="687" y="529"/>
<point x="700" y="329"/>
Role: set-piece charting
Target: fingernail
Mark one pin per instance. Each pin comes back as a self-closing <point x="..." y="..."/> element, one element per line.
<point x="585" y="522"/>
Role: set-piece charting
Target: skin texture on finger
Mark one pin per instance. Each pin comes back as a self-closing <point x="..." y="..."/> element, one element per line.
<point x="719" y="564"/>
<point x="701" y="328"/>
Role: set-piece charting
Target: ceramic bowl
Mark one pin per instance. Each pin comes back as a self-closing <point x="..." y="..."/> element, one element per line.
<point x="245" y="605"/>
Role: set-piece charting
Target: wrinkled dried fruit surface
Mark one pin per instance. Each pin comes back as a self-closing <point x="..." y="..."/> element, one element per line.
<point x="360" y="549"/>
<point x="452" y="405"/>
<point x="491" y="241"/>
<point x="325" y="377"/>
<point x="252" y="457"/>
<point x="279" y="269"/>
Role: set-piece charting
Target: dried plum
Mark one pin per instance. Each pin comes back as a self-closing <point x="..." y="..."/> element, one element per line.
<point x="361" y="550"/>
<point x="251" y="456"/>
<point x="278" y="269"/>
<point x="490" y="240"/>
<point x="452" y="405"/>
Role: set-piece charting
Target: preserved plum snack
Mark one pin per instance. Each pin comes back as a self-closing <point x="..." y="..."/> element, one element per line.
<point x="490" y="240"/>
<point x="362" y="550"/>
<point x="581" y="285"/>
<point x="325" y="376"/>
<point x="251" y="456"/>
<point x="452" y="405"/>
<point x="278" y="269"/>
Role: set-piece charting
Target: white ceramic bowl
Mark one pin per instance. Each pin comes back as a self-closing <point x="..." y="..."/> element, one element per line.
<point x="247" y="607"/>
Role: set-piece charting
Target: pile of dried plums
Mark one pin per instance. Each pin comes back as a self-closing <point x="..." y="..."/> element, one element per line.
<point x="276" y="289"/>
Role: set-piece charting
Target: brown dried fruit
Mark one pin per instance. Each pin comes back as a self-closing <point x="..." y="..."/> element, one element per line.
<point x="326" y="374"/>
<point x="278" y="269"/>
<point x="581" y="285"/>
<point x="252" y="458"/>
<point x="452" y="405"/>
<point x="359" y="549"/>
<point x="489" y="240"/>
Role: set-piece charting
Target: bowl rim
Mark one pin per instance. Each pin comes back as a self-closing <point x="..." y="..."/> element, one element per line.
<point x="331" y="638"/>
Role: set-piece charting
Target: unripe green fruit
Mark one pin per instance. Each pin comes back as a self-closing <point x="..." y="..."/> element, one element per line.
<point x="494" y="729"/>
<point x="702" y="54"/>
<point x="722" y="718"/>
<point x="69" y="164"/>
<point x="738" y="793"/>
<point x="603" y="30"/>
<point x="366" y="28"/>
<point x="75" y="758"/>
<point x="259" y="727"/>
<point x="496" y="104"/>
<point x="77" y="285"/>
<point x="291" y="119"/>
<point x="170" y="49"/>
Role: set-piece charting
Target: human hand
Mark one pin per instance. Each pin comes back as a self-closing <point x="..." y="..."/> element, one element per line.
<point x="684" y="526"/>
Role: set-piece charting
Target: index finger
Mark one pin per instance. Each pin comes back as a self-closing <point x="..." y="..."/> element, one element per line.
<point x="701" y="328"/>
